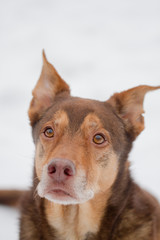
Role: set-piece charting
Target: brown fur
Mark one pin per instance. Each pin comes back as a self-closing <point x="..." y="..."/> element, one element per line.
<point x="99" y="201"/>
<point x="11" y="197"/>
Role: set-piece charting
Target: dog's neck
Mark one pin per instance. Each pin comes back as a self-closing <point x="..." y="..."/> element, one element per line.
<point x="75" y="222"/>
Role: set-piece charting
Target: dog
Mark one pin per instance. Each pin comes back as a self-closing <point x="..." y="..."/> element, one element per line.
<point x="82" y="187"/>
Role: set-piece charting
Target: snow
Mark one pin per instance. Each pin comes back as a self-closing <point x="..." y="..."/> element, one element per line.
<point x="98" y="47"/>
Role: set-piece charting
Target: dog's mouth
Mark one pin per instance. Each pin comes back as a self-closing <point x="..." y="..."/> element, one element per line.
<point x="60" y="195"/>
<point x="59" y="192"/>
<point x="65" y="195"/>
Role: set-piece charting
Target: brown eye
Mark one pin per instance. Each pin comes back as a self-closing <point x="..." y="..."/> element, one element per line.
<point x="49" y="132"/>
<point x="99" y="139"/>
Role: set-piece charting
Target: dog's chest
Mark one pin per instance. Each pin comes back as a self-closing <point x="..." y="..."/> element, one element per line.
<point x="72" y="223"/>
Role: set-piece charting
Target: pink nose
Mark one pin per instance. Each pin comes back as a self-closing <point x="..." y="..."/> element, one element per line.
<point x="61" y="169"/>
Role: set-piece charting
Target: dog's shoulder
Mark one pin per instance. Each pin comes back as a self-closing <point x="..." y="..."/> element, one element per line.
<point x="140" y="218"/>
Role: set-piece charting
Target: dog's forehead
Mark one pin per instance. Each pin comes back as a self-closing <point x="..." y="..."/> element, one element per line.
<point x="77" y="109"/>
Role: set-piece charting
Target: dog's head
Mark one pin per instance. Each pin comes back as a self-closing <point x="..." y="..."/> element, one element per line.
<point x="81" y="143"/>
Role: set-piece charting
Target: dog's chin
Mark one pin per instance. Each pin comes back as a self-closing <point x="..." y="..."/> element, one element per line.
<point x="60" y="196"/>
<point x="64" y="198"/>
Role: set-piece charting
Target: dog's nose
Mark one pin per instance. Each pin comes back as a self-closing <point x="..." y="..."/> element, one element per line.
<point x="61" y="169"/>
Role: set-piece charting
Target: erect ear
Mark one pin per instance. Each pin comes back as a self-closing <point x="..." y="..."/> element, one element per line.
<point x="48" y="86"/>
<point x="129" y="106"/>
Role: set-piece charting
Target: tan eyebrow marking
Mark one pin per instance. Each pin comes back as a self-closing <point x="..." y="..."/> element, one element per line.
<point x="90" y="122"/>
<point x="61" y="119"/>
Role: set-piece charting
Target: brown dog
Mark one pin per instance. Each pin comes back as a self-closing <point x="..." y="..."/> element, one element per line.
<point x="81" y="175"/>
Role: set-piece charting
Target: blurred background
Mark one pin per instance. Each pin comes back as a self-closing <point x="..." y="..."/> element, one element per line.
<point x="99" y="47"/>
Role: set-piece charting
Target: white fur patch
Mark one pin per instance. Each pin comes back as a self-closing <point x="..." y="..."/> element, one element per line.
<point x="78" y="187"/>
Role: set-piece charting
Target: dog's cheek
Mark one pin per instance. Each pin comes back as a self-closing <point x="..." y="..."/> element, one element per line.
<point x="39" y="159"/>
<point x="107" y="165"/>
<point x="92" y="173"/>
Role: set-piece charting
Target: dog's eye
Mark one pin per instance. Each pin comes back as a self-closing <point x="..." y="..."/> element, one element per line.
<point x="49" y="132"/>
<point x="99" y="139"/>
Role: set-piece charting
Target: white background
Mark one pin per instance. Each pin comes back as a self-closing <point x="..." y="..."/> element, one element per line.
<point x="98" y="47"/>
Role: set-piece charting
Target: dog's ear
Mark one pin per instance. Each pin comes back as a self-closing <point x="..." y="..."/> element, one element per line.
<point x="129" y="106"/>
<point x="48" y="86"/>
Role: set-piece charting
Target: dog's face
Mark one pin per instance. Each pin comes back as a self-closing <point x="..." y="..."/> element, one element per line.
<point x="77" y="150"/>
<point x="80" y="143"/>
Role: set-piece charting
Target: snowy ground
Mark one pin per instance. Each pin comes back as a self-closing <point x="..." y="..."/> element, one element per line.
<point x="98" y="47"/>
